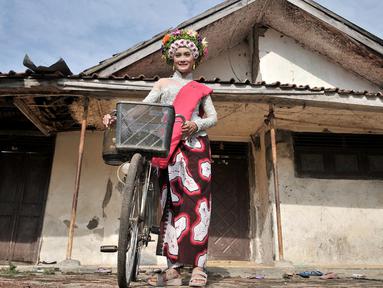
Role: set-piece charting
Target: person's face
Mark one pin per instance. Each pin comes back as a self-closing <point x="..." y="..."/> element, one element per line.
<point x="183" y="60"/>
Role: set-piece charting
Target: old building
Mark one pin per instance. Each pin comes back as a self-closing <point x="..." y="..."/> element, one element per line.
<point x="313" y="76"/>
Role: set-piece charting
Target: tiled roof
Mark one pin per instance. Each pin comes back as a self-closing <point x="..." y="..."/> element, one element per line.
<point x="232" y="81"/>
<point x="28" y="72"/>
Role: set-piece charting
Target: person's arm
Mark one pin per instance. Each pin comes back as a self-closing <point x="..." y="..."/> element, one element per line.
<point x="154" y="95"/>
<point x="210" y="118"/>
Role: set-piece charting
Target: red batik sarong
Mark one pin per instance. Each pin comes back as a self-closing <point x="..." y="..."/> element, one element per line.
<point x="186" y="203"/>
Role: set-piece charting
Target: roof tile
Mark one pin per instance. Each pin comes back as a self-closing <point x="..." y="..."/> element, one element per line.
<point x="283" y="86"/>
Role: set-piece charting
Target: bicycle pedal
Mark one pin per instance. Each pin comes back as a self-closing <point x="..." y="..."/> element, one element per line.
<point x="155" y="230"/>
<point x="108" y="248"/>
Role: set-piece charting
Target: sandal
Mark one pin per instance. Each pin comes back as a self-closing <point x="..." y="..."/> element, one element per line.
<point x="198" y="278"/>
<point x="168" y="277"/>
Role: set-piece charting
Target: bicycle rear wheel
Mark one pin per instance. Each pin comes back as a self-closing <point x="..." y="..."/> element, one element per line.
<point x="129" y="224"/>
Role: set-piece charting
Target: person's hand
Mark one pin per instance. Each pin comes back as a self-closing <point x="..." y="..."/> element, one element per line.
<point x="189" y="128"/>
<point x="108" y="119"/>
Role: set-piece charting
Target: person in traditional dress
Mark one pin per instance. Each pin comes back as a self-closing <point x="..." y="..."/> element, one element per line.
<point x="185" y="175"/>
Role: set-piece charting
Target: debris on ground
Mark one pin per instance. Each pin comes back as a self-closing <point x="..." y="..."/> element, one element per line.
<point x="307" y="274"/>
<point x="103" y="270"/>
<point x="258" y="277"/>
<point x="358" y="276"/>
<point x="329" y="275"/>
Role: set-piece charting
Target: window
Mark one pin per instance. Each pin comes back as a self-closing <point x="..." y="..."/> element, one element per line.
<point x="338" y="156"/>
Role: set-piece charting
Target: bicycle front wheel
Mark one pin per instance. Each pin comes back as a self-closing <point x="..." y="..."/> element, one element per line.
<point x="129" y="223"/>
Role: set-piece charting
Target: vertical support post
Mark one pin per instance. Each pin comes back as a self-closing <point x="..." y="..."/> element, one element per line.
<point x="77" y="181"/>
<point x="254" y="53"/>
<point x="271" y="119"/>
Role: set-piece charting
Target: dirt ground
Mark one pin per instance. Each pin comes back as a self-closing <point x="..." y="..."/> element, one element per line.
<point x="25" y="280"/>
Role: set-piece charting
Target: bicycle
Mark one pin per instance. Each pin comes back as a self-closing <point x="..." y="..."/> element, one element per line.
<point x="142" y="131"/>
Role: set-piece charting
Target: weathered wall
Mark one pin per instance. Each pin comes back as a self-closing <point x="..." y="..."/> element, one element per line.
<point x="233" y="63"/>
<point x="329" y="221"/>
<point x="285" y="60"/>
<point x="263" y="248"/>
<point x="98" y="204"/>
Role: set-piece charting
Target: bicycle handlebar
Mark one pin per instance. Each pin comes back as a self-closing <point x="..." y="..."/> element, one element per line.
<point x="182" y="117"/>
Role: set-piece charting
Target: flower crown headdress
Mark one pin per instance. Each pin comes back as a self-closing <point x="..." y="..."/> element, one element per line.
<point x="183" y="38"/>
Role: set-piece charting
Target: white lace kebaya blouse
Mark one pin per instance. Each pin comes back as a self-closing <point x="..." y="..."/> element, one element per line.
<point x="167" y="95"/>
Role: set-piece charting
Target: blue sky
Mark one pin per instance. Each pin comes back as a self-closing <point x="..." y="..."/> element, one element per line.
<point x="84" y="32"/>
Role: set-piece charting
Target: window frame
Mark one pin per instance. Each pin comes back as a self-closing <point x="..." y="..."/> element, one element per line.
<point x="329" y="154"/>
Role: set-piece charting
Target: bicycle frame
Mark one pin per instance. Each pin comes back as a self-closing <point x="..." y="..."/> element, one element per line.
<point x="137" y="183"/>
<point x="145" y="191"/>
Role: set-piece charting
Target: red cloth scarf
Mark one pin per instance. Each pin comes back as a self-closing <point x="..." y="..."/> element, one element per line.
<point x="185" y="103"/>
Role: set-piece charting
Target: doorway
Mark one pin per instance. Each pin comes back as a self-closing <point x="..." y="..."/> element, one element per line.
<point x="25" y="166"/>
<point x="229" y="230"/>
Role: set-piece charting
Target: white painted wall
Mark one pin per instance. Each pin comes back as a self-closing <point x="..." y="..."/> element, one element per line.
<point x="329" y="221"/>
<point x="283" y="59"/>
<point x="94" y="179"/>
